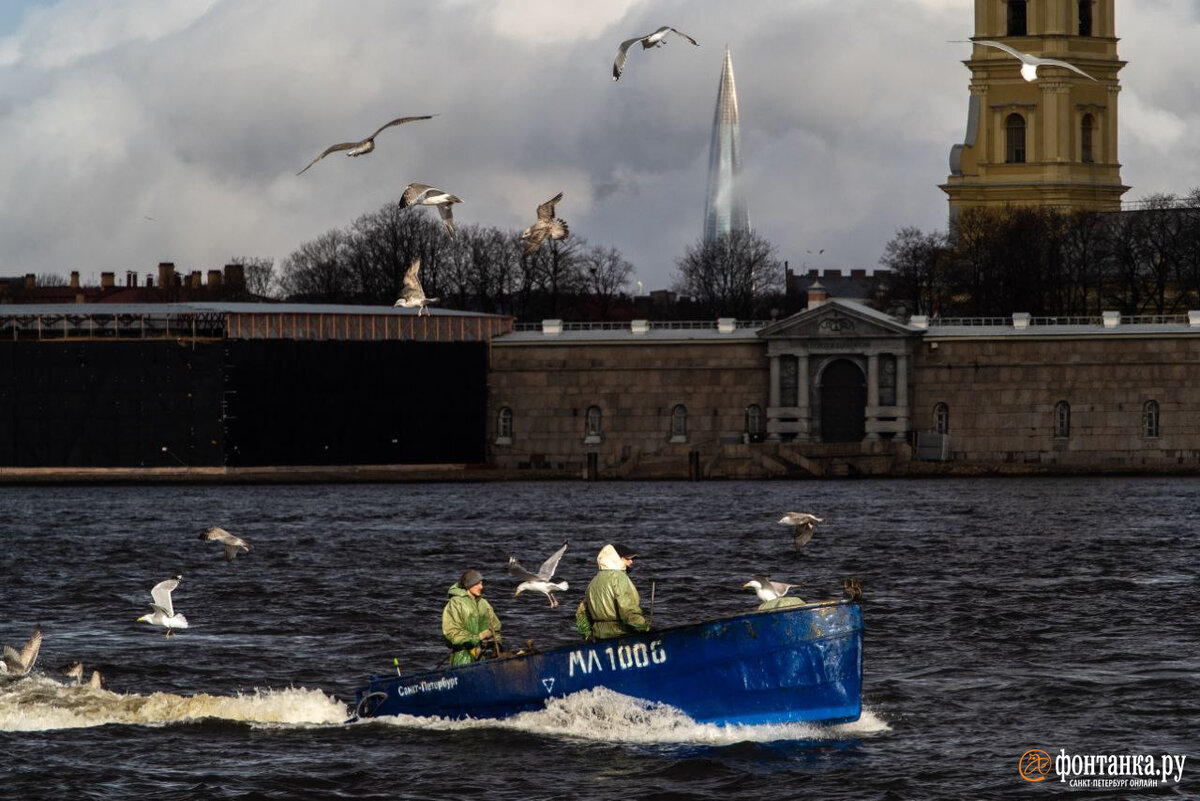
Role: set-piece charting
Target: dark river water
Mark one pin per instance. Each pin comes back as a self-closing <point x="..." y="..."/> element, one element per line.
<point x="1001" y="616"/>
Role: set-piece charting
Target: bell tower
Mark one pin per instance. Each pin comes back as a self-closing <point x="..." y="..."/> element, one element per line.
<point x="1047" y="142"/>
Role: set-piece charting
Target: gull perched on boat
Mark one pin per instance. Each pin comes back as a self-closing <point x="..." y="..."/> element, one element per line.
<point x="164" y="614"/>
<point x="547" y="225"/>
<point x="411" y="293"/>
<point x="1030" y="63"/>
<point x="656" y="39"/>
<point x="75" y="671"/>
<point x="803" y="524"/>
<point x="19" y="663"/>
<point x="426" y="195"/>
<point x="363" y="146"/>
<point x="232" y="543"/>
<point x="766" y="589"/>
<point x="539" y="581"/>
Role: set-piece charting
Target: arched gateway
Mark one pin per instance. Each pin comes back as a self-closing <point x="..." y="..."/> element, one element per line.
<point x="843" y="402"/>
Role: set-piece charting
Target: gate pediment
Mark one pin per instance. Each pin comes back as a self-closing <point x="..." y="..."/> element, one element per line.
<point x="838" y="319"/>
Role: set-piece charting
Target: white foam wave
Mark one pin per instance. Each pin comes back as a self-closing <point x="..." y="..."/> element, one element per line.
<point x="604" y="715"/>
<point x="38" y="703"/>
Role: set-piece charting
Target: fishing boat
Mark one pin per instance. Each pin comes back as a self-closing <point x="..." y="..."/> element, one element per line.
<point x="794" y="664"/>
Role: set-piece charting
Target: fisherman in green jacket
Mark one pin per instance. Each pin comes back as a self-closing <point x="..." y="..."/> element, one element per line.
<point x="469" y="624"/>
<point x="611" y="606"/>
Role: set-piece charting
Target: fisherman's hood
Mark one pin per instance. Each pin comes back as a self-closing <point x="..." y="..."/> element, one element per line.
<point x="609" y="559"/>
<point x="454" y="590"/>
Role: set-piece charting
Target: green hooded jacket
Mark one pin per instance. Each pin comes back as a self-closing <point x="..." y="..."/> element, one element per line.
<point x="462" y="619"/>
<point x="611" y="606"/>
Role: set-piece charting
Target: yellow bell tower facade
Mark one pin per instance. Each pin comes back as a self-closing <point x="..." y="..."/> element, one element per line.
<point x="1051" y="141"/>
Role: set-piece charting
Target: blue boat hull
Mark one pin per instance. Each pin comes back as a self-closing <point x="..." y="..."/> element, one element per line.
<point x="794" y="664"/>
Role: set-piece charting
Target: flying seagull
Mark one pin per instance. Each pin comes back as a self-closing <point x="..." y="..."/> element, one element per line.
<point x="656" y="39"/>
<point x="547" y="225"/>
<point x="1030" y="63"/>
<point x="426" y="195"/>
<point x="364" y="146"/>
<point x="539" y="581"/>
<point x="19" y="663"/>
<point x="768" y="590"/>
<point x="232" y="544"/>
<point x="75" y="671"/>
<point x="411" y="293"/>
<point x="803" y="523"/>
<point x="164" y="614"/>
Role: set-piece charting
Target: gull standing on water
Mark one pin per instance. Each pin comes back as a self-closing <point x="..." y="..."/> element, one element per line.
<point x="1030" y="63"/>
<point x="232" y="544"/>
<point x="426" y="195"/>
<point x="539" y="581"/>
<point x="75" y="671"/>
<point x="803" y="524"/>
<point x="656" y="39"/>
<point x="19" y="663"/>
<point x="164" y="614"/>
<point x="363" y="146"/>
<point x="547" y="225"/>
<point x="411" y="293"/>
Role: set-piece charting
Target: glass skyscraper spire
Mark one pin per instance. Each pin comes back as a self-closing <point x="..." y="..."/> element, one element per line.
<point x="725" y="210"/>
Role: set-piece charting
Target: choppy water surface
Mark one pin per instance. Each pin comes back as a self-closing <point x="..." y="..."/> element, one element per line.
<point x="1001" y="615"/>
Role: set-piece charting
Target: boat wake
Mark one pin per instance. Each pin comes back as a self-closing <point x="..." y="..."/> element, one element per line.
<point x="38" y="703"/>
<point x="603" y="715"/>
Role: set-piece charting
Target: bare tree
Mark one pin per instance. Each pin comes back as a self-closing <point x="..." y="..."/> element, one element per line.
<point x="917" y="261"/>
<point x="727" y="274"/>
<point x="261" y="280"/>
<point x="605" y="273"/>
<point x="318" y="272"/>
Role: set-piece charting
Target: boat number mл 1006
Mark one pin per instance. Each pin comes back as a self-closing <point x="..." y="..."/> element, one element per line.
<point x="619" y="657"/>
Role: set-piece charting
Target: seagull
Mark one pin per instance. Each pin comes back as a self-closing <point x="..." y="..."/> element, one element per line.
<point x="804" y="524"/>
<point x="232" y="544"/>
<point x="164" y="611"/>
<point x="364" y="146"/>
<point x="547" y="225"/>
<point x="768" y="590"/>
<point x="1030" y="63"/>
<point x="852" y="589"/>
<point x="19" y="663"/>
<point x="75" y="671"/>
<point x="539" y="581"/>
<point x="426" y="195"/>
<point x="411" y="293"/>
<point x="656" y="39"/>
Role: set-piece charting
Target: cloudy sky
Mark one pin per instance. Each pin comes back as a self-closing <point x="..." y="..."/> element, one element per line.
<point x="139" y="131"/>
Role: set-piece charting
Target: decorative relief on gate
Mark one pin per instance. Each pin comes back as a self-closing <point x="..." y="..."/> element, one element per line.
<point x="835" y="325"/>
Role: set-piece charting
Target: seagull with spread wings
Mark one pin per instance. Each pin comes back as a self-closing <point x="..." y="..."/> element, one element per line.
<point x="766" y="589"/>
<point x="164" y="614"/>
<point x="656" y="39"/>
<point x="411" y="293"/>
<point x="426" y="195"/>
<point x="363" y="146"/>
<point x="1030" y="63"/>
<point x="539" y="581"/>
<point x="546" y="226"/>
<point x="19" y="663"/>
<point x="232" y="544"/>
<point x="802" y="526"/>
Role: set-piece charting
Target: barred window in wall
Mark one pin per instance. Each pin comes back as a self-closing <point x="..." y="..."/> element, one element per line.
<point x="754" y="422"/>
<point x="1062" y="420"/>
<point x="1085" y="139"/>
<point x="592" y="424"/>
<point x="1150" y="419"/>
<point x="1016" y="18"/>
<point x="679" y="424"/>
<point x="941" y="418"/>
<point x="504" y="425"/>
<point x="1014" y="139"/>
<point x="887" y="380"/>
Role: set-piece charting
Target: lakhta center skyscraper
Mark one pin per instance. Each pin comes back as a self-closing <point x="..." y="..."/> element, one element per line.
<point x="725" y="210"/>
